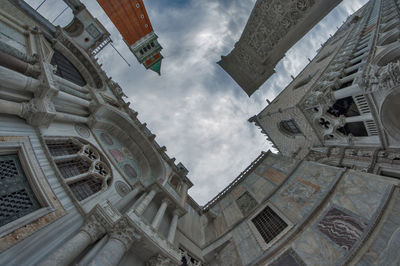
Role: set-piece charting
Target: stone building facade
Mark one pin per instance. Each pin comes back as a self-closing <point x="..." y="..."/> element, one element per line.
<point x="84" y="182"/>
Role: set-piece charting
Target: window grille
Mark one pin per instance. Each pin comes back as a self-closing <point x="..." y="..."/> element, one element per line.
<point x="62" y="147"/>
<point x="269" y="224"/>
<point x="290" y="127"/>
<point x="85" y="188"/>
<point x="66" y="69"/>
<point x="16" y="196"/>
<point x="84" y="169"/>
<point x="72" y="168"/>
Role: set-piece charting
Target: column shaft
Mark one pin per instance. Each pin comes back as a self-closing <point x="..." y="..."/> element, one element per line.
<point x="358" y="118"/>
<point x="71" y="98"/>
<point x="346" y="92"/>
<point x="146" y="201"/>
<point x="13" y="80"/>
<point x="111" y="253"/>
<point x="160" y="214"/>
<point x="172" y="228"/>
<point x="66" y="254"/>
<point x="71" y="118"/>
<point x="11" y="108"/>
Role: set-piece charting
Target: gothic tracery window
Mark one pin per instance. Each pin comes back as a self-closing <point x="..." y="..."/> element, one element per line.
<point x="16" y="196"/>
<point x="81" y="166"/>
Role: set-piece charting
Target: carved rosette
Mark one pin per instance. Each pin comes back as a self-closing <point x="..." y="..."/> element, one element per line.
<point x="159" y="260"/>
<point x="125" y="232"/>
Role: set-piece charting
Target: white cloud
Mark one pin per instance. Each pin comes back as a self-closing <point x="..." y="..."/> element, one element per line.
<point x="194" y="108"/>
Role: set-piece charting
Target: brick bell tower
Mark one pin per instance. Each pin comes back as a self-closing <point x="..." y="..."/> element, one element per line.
<point x="131" y="19"/>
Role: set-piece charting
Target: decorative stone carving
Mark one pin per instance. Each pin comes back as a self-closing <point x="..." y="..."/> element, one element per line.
<point x="317" y="98"/>
<point x="122" y="188"/>
<point x="159" y="260"/>
<point x="93" y="228"/>
<point x="125" y="232"/>
<point x="271" y="30"/>
<point x="38" y="112"/>
<point x="82" y="130"/>
<point x="100" y="220"/>
<point x="385" y="77"/>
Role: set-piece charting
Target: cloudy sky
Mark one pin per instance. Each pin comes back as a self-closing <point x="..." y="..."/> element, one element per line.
<point x="196" y="110"/>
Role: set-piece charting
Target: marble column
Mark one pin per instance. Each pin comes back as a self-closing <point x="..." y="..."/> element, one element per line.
<point x="358" y="118"/>
<point x="121" y="238"/>
<point x="71" y="118"/>
<point x="124" y="203"/>
<point x="12" y="108"/>
<point x="172" y="227"/>
<point x="13" y="80"/>
<point x="145" y="202"/>
<point x="160" y="214"/>
<point x="71" y="98"/>
<point x="67" y="253"/>
<point x="65" y="83"/>
<point x="352" y="90"/>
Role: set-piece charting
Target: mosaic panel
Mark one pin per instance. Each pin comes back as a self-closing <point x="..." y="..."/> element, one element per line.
<point x="246" y="203"/>
<point x="273" y="175"/>
<point x="343" y="229"/>
<point x="288" y="258"/>
<point x="130" y="171"/>
<point x="106" y="138"/>
<point x="118" y="156"/>
<point x="300" y="192"/>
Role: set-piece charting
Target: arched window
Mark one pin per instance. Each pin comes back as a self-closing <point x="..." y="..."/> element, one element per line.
<point x="175" y="183"/>
<point x="81" y="166"/>
<point x="289" y="127"/>
<point x="66" y="69"/>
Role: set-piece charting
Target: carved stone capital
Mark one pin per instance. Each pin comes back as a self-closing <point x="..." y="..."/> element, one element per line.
<point x="93" y="228"/>
<point x="38" y="112"/>
<point x="125" y="232"/>
<point x="100" y="220"/>
<point x="159" y="260"/>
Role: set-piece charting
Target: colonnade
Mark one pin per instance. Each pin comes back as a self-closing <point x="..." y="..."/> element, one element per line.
<point x="113" y="238"/>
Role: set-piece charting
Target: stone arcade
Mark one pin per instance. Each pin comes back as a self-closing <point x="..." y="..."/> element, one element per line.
<point x="84" y="182"/>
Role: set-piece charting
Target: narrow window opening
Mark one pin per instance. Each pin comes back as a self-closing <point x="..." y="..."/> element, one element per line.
<point x="345" y="106"/>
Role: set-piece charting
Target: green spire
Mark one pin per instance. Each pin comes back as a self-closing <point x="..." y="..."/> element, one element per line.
<point x="156" y="67"/>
